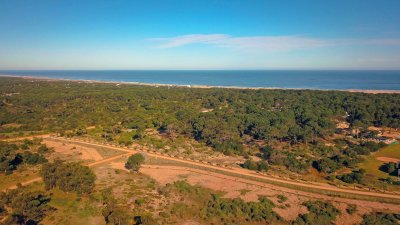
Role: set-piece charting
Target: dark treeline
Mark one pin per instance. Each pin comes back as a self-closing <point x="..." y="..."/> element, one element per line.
<point x="222" y="118"/>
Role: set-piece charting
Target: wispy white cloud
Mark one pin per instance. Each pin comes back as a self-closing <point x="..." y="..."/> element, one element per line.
<point x="265" y="43"/>
<point x="382" y="41"/>
<point x="190" y="39"/>
<point x="271" y="43"/>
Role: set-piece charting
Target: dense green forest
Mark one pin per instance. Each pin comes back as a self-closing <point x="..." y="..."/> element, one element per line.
<point x="226" y="119"/>
<point x="233" y="115"/>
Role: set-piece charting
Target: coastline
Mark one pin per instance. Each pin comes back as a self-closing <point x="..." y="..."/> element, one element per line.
<point x="43" y="78"/>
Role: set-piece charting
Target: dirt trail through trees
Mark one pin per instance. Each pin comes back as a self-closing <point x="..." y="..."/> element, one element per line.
<point x="248" y="173"/>
<point x="226" y="171"/>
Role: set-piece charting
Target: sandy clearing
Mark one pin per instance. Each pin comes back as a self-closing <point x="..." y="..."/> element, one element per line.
<point x="240" y="171"/>
<point x="342" y="125"/>
<point x="91" y="154"/>
<point x="216" y="182"/>
<point x="388" y="159"/>
<point x="344" y="218"/>
<point x="232" y="187"/>
<point x="201" y="177"/>
<point x="86" y="153"/>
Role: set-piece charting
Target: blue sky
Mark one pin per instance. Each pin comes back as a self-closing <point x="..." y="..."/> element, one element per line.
<point x="297" y="34"/>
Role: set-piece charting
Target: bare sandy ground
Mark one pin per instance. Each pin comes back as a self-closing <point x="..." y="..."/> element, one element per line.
<point x="386" y="131"/>
<point x="250" y="190"/>
<point x="85" y="153"/>
<point x="217" y="182"/>
<point x="388" y="159"/>
<point x="233" y="186"/>
<point x="240" y="171"/>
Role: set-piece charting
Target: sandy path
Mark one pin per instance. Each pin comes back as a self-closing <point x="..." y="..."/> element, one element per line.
<point x="232" y="188"/>
<point x="86" y="153"/>
<point x="168" y="174"/>
<point x="240" y="171"/>
<point x="388" y="159"/>
<point x="249" y="173"/>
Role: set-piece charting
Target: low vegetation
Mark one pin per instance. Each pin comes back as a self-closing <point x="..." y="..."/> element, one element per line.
<point x="379" y="218"/>
<point x="12" y="156"/>
<point x="320" y="213"/>
<point x="22" y="206"/>
<point x="68" y="176"/>
<point x="259" y="166"/>
<point x="356" y="176"/>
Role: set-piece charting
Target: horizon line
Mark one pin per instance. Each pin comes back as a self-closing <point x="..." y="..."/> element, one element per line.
<point x="280" y="69"/>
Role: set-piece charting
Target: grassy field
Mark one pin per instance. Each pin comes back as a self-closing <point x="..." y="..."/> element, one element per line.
<point x="372" y="164"/>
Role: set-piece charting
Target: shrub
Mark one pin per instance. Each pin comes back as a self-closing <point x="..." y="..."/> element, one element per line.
<point x="43" y="149"/>
<point x="391" y="168"/>
<point x="69" y="177"/>
<point x="380" y="218"/>
<point x="356" y="176"/>
<point x="33" y="158"/>
<point x="320" y="213"/>
<point x="26" y="207"/>
<point x="282" y="198"/>
<point x="260" y="211"/>
<point x="259" y="166"/>
<point x="139" y="201"/>
<point x="351" y="209"/>
<point x="134" y="162"/>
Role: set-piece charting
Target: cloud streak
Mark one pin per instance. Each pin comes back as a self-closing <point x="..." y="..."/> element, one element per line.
<point x="264" y="43"/>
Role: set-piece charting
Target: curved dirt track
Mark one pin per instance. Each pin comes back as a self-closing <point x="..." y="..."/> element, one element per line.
<point x="203" y="178"/>
<point x="244" y="172"/>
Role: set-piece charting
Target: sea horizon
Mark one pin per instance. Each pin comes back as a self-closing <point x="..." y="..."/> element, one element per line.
<point x="386" y="80"/>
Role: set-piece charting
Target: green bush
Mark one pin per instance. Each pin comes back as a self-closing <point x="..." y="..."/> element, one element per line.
<point x="134" y="162"/>
<point x="25" y="207"/>
<point x="259" y="166"/>
<point x="320" y="213"/>
<point x="69" y="177"/>
<point x="225" y="209"/>
<point x="351" y="209"/>
<point x="379" y="218"/>
<point x="356" y="176"/>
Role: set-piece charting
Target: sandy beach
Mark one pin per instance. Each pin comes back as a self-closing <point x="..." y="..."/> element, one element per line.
<point x="196" y="86"/>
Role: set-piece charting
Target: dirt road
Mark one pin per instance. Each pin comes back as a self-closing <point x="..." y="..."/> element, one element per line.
<point x="247" y="173"/>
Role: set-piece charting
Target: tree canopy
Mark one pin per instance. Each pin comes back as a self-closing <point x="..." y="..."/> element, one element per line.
<point x="69" y="177"/>
<point x="134" y="161"/>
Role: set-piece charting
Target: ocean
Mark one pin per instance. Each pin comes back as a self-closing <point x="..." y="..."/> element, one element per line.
<point x="302" y="79"/>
